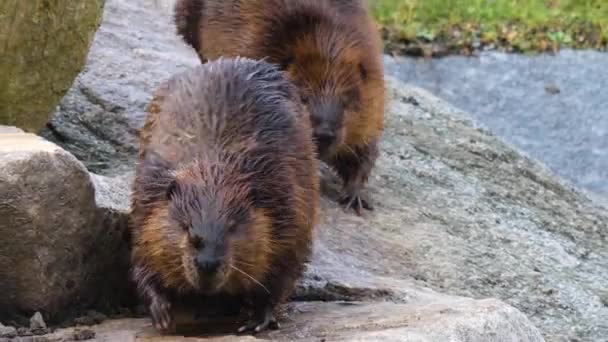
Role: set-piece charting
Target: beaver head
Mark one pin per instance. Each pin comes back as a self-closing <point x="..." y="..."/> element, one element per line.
<point x="215" y="239"/>
<point x="331" y="63"/>
<point x="226" y="241"/>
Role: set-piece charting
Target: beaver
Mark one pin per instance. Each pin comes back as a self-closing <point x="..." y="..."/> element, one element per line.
<point x="226" y="191"/>
<point x="330" y="49"/>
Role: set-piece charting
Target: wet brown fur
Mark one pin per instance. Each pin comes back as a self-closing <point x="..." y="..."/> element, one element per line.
<point x="330" y="50"/>
<point x="226" y="125"/>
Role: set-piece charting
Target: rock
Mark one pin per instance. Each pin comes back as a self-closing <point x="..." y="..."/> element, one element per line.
<point x="460" y="215"/>
<point x="43" y="47"/>
<point x="7" y="332"/>
<point x="470" y="215"/>
<point x="57" y="252"/>
<point x="91" y="318"/>
<point x="37" y="322"/>
<point x="130" y="55"/>
<point x="83" y="334"/>
<point x="23" y="331"/>
<point x="457" y="320"/>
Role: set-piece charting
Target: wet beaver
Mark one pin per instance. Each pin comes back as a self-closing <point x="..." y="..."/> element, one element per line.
<point x="330" y="50"/>
<point x="226" y="190"/>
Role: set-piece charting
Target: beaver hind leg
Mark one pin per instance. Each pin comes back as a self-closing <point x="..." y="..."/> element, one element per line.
<point x="353" y="200"/>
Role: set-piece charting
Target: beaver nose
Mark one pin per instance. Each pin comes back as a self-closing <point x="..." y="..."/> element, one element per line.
<point x="325" y="138"/>
<point x="207" y="265"/>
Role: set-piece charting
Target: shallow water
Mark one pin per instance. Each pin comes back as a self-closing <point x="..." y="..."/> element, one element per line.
<point x="553" y="107"/>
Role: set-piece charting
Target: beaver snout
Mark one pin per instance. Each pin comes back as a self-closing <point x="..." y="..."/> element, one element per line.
<point x="325" y="138"/>
<point x="212" y="271"/>
<point x="208" y="265"/>
<point x="326" y="114"/>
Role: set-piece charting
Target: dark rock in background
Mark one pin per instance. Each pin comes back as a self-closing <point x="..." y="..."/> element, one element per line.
<point x="43" y="47"/>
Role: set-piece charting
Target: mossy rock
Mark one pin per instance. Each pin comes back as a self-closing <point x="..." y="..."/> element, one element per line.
<point x="43" y="47"/>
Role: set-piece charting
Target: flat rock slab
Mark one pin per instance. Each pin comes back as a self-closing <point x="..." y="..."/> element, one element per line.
<point x="459" y="320"/>
<point x="553" y="107"/>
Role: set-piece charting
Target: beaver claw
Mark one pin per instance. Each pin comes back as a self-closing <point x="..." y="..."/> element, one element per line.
<point x="261" y="322"/>
<point x="160" y="311"/>
<point x="353" y="200"/>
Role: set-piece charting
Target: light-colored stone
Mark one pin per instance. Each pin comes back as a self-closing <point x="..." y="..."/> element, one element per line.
<point x="37" y="322"/>
<point x="43" y="47"/>
<point x="7" y="332"/>
<point x="57" y="251"/>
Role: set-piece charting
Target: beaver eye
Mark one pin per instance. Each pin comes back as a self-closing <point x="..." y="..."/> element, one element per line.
<point x="351" y="98"/>
<point x="363" y="72"/>
<point x="171" y="190"/>
<point x="232" y="227"/>
<point x="285" y="63"/>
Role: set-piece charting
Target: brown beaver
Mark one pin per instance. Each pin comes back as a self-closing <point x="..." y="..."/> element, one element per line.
<point x="330" y="50"/>
<point x="226" y="191"/>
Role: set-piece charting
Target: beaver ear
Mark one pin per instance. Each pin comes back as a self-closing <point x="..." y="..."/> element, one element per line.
<point x="156" y="177"/>
<point x="362" y="71"/>
<point x="171" y="189"/>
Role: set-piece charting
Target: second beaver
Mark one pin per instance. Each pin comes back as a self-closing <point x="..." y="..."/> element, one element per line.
<point x="329" y="49"/>
<point x="224" y="202"/>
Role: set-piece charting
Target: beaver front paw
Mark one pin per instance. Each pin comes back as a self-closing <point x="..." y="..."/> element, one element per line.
<point x="160" y="312"/>
<point x="353" y="200"/>
<point x="261" y="321"/>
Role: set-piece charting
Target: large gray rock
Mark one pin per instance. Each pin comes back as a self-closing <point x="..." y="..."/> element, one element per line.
<point x="43" y="45"/>
<point x="473" y="216"/>
<point x="132" y="52"/>
<point x="57" y="252"/>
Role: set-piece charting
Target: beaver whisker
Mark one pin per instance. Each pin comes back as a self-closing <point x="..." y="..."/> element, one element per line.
<point x="243" y="263"/>
<point x="250" y="277"/>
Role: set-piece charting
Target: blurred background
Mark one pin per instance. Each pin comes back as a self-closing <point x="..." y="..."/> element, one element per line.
<point x="532" y="71"/>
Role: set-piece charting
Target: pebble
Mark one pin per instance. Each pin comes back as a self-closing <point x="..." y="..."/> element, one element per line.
<point x="7" y="332"/>
<point x="37" y="322"/>
<point x="83" y="334"/>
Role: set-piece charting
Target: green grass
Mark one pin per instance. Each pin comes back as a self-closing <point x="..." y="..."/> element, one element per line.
<point x="462" y="26"/>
